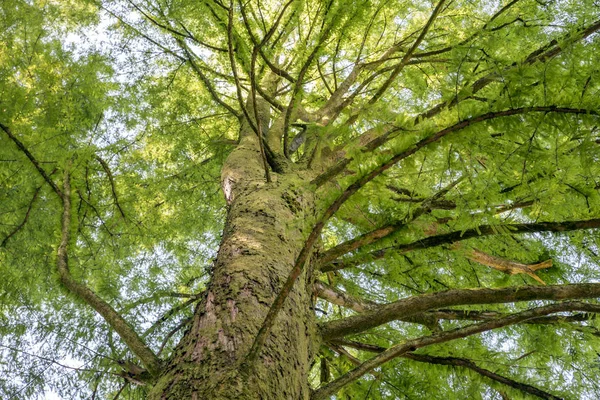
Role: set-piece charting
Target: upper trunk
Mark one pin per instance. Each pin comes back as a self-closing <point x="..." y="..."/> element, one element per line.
<point x="264" y="232"/>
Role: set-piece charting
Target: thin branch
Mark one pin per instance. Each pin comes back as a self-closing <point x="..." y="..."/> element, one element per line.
<point x="114" y="319"/>
<point x="469" y="364"/>
<point x="542" y="54"/>
<point x="408" y="54"/>
<point x="173" y="331"/>
<point x="98" y="215"/>
<point x="368" y="141"/>
<point x="175" y="32"/>
<point x="455" y="297"/>
<point x="156" y="23"/>
<point x="274" y="68"/>
<point x="207" y="83"/>
<point x="342" y="104"/>
<point x="25" y="218"/>
<point x="156" y="296"/>
<point x="323" y="78"/>
<point x="458" y="236"/>
<point x="137" y="31"/>
<point x="380" y="233"/>
<point x="453" y="361"/>
<point x="112" y="184"/>
<point x="343" y="299"/>
<point x="31" y="158"/>
<point x="170" y="313"/>
<point x="52" y="361"/>
<point x="127" y="383"/>
<point x="470" y="38"/>
<point x="372" y="348"/>
<point x="353" y="360"/>
<point x="413" y="344"/>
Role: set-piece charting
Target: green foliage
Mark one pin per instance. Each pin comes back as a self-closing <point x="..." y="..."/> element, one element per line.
<point x="111" y="90"/>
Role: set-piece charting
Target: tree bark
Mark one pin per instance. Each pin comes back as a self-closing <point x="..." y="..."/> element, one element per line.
<point x="265" y="229"/>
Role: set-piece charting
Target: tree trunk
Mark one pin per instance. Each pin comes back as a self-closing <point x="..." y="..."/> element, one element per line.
<point x="264" y="232"/>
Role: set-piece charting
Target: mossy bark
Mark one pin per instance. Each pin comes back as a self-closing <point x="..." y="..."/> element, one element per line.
<point x="265" y="229"/>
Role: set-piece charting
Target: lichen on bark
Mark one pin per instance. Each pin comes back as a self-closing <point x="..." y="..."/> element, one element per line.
<point x="265" y="229"/>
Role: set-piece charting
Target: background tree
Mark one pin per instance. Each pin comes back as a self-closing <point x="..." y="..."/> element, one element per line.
<point x="314" y="199"/>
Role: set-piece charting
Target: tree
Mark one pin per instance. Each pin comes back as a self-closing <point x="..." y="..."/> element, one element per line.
<point x="315" y="199"/>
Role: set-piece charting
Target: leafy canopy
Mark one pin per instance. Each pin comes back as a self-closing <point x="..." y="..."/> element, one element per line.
<point x="459" y="123"/>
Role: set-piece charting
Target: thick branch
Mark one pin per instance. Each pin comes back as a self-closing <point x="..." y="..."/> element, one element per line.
<point x="114" y="319"/>
<point x="457" y="236"/>
<point x="359" y="305"/>
<point x="413" y="344"/>
<point x="507" y="266"/>
<point x="417" y="304"/>
<point x="475" y="315"/>
<point x="340" y="298"/>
